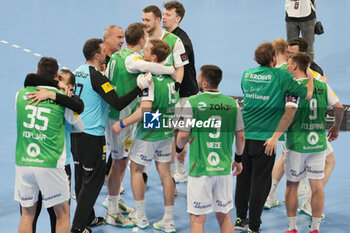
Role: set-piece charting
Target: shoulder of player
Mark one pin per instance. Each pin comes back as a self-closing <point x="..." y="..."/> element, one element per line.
<point x="179" y="32"/>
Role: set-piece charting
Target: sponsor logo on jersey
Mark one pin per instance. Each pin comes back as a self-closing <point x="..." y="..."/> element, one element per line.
<point x="312" y="138"/>
<point x="137" y="58"/>
<point x="107" y="87"/>
<point x="259" y="77"/>
<point x="127" y="143"/>
<point x="220" y="107"/>
<point x="33" y="150"/>
<point x="184" y="57"/>
<point x="151" y="120"/>
<point x="202" y="106"/>
<point x="213" y="159"/>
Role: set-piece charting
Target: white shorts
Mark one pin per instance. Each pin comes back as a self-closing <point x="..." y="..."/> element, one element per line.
<point x="143" y="152"/>
<point x="300" y="165"/>
<point x="52" y="182"/>
<point x="119" y="145"/>
<point x="206" y="194"/>
<point x="329" y="148"/>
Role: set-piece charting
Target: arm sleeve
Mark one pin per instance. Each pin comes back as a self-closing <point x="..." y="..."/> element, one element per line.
<point x="186" y="116"/>
<point x="74" y="119"/>
<point x="239" y="120"/>
<point x="179" y="54"/>
<point x="102" y="86"/>
<point x="148" y="93"/>
<point x="74" y="103"/>
<point x="136" y="64"/>
<point x="292" y="100"/>
<point x="332" y="98"/>
<point x="290" y="85"/>
<point x="36" y="80"/>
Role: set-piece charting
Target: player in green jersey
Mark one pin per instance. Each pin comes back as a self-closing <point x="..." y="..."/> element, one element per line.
<point x="210" y="161"/>
<point x="154" y="143"/>
<point x="178" y="57"/>
<point x="300" y="45"/>
<point x="41" y="153"/>
<point x="123" y="69"/>
<point x="306" y="142"/>
<point x="264" y="88"/>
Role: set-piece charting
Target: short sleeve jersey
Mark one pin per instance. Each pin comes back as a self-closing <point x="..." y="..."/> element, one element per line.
<point x="95" y="112"/>
<point x="122" y="80"/>
<point x="264" y="91"/>
<point x="177" y="56"/>
<point x="40" y="132"/>
<point x="162" y="94"/>
<point x="307" y="133"/>
<point x="211" y="118"/>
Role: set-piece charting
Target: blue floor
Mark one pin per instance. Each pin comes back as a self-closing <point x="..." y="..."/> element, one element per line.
<point x="224" y="33"/>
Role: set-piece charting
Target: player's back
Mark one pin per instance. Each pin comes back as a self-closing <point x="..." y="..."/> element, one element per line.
<point x="40" y="131"/>
<point x="212" y="134"/>
<point x="307" y="132"/>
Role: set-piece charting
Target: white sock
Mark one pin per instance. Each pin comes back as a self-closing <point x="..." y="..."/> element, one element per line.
<point x="168" y="213"/>
<point x="315" y="225"/>
<point x="172" y="168"/>
<point x="274" y="185"/>
<point x="113" y="202"/>
<point x="140" y="208"/>
<point x="292" y="223"/>
<point x="180" y="167"/>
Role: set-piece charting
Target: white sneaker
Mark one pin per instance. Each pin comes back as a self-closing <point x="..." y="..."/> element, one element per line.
<point x="165" y="225"/>
<point x="123" y="208"/>
<point x="74" y="196"/>
<point x="270" y="203"/>
<point x="180" y="177"/>
<point x="303" y="191"/>
<point x="140" y="222"/>
<point x="118" y="220"/>
<point x="305" y="208"/>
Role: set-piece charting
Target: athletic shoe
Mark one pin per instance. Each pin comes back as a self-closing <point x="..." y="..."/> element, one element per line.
<point x="241" y="224"/>
<point x="140" y="222"/>
<point x="292" y="231"/>
<point x="251" y="231"/>
<point x="305" y="208"/>
<point x="85" y="230"/>
<point x="270" y="203"/>
<point x="97" y="221"/>
<point x="165" y="225"/>
<point x="123" y="208"/>
<point x="315" y="231"/>
<point x="74" y="196"/>
<point x="303" y="191"/>
<point x="118" y="220"/>
<point x="180" y="177"/>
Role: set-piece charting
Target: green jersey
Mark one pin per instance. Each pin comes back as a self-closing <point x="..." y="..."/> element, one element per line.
<point x="213" y="127"/>
<point x="307" y="132"/>
<point x="177" y="56"/>
<point x="264" y="91"/>
<point x="122" y="81"/>
<point x="162" y="94"/>
<point x="40" y="132"/>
